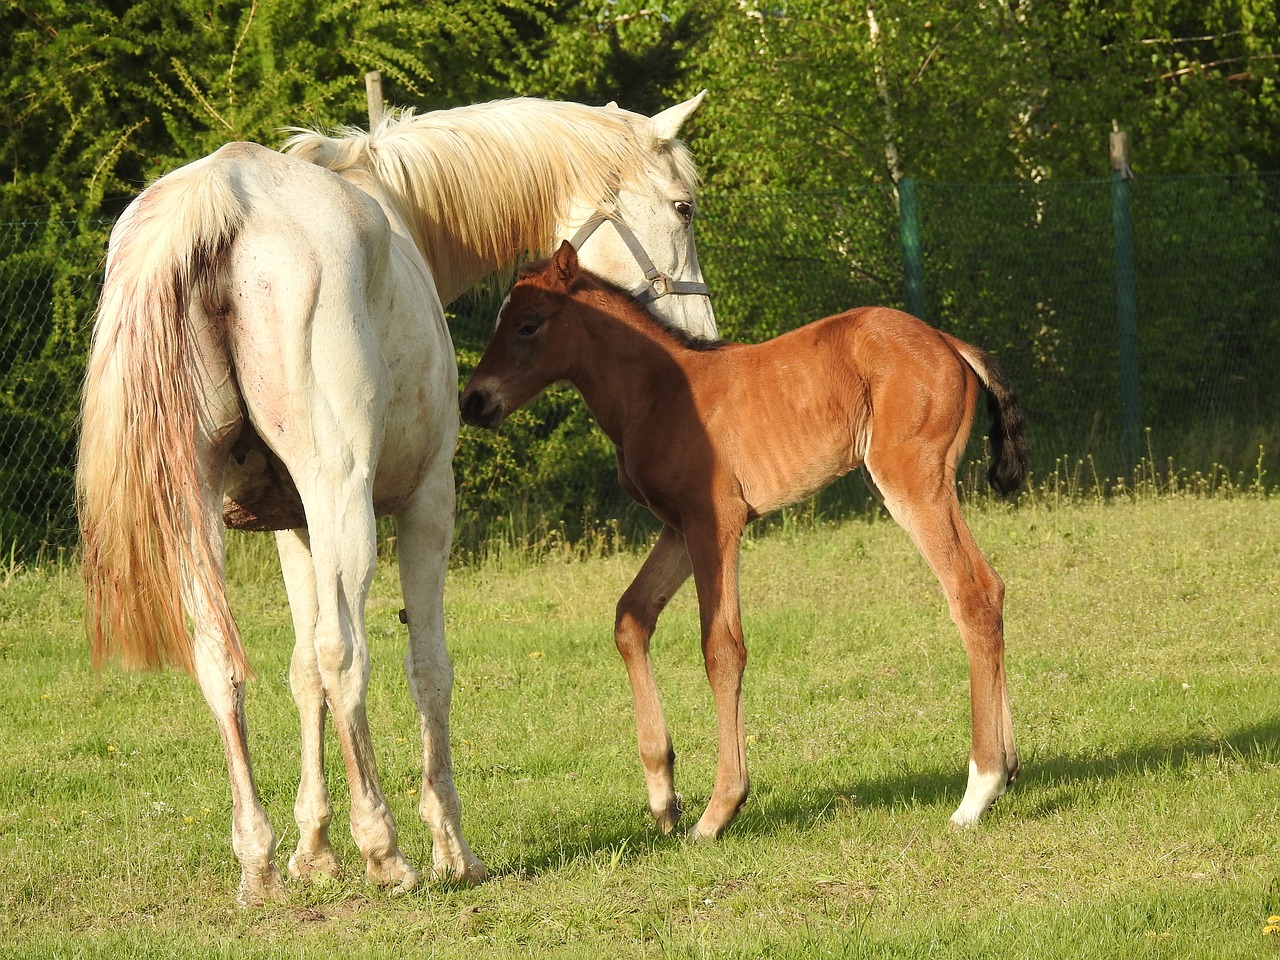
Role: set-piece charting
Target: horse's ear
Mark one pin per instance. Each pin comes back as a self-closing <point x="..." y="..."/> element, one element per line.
<point x="566" y="260"/>
<point x="667" y="124"/>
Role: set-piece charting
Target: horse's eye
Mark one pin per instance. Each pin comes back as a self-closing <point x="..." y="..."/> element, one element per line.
<point x="529" y="327"/>
<point x="685" y="211"/>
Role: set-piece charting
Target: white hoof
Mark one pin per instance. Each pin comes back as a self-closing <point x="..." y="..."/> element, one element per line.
<point x="981" y="793"/>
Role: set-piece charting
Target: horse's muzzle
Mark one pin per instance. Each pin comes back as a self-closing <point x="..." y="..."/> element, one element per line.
<point x="480" y="409"/>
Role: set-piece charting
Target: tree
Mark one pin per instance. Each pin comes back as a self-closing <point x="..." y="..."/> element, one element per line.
<point x="99" y="97"/>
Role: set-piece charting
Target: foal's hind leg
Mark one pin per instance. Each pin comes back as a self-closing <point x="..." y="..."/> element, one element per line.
<point x="921" y="497"/>
<point x="424" y="536"/>
<point x="312" y="810"/>
<point x="665" y="569"/>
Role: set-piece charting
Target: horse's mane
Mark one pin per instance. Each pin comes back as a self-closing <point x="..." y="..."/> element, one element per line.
<point x="495" y="178"/>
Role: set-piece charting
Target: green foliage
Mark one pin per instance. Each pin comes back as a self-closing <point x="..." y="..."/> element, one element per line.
<point x="41" y="366"/>
<point x="815" y="108"/>
<point x="952" y="90"/>
<point x="157" y="83"/>
<point x="637" y="53"/>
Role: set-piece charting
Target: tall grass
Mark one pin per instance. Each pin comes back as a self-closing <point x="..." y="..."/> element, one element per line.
<point x="1143" y="668"/>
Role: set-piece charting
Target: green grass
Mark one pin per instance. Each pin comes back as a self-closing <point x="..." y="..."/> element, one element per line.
<point x="1144" y="669"/>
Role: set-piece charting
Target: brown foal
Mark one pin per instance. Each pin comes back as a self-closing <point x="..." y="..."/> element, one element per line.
<point x="710" y="435"/>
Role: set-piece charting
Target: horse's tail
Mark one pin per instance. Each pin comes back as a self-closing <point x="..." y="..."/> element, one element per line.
<point x="1008" y="437"/>
<point x="151" y="541"/>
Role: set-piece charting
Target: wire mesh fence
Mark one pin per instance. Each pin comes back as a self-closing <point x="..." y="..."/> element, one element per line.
<point x="1028" y="271"/>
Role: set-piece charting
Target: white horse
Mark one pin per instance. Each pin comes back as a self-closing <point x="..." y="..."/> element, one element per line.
<point x="270" y="351"/>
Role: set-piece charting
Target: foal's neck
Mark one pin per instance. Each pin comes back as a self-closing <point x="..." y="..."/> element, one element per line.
<point x="629" y="362"/>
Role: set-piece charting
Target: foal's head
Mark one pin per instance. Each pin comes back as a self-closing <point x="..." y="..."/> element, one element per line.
<point x="531" y="344"/>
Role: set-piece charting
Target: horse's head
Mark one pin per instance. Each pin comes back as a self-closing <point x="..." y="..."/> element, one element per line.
<point x="643" y="241"/>
<point x="527" y="352"/>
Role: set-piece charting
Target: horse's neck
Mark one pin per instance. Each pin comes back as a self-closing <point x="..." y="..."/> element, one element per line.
<point x="625" y="366"/>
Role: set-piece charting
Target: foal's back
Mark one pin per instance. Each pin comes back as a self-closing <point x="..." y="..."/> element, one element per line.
<point x="784" y="418"/>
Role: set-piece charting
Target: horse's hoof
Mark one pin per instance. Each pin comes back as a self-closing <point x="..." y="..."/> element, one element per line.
<point x="668" y="816"/>
<point x="317" y="865"/>
<point x="394" y="874"/>
<point x="260" y="888"/>
<point x="467" y="874"/>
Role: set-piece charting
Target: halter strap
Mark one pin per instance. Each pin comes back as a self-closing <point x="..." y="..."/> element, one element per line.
<point x="659" y="283"/>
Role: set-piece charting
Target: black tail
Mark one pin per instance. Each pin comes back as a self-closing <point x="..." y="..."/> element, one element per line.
<point x="1008" y="440"/>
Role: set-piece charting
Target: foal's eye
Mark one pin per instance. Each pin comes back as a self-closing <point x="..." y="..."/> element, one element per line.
<point x="685" y="211"/>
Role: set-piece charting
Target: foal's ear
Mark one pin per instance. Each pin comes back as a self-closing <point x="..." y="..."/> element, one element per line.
<point x="566" y="261"/>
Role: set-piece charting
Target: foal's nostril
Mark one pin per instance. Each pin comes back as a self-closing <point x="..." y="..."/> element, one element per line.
<point x="473" y="405"/>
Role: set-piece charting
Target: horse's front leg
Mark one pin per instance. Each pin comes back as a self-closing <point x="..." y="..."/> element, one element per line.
<point x="663" y="572"/>
<point x="424" y="534"/>
<point x="713" y="551"/>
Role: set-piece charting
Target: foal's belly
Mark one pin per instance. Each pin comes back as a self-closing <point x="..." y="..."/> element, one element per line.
<point x="792" y="468"/>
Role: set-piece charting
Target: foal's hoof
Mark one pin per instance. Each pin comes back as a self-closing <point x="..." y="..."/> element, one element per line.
<point x="983" y="790"/>
<point x="704" y="833"/>
<point x="668" y="815"/>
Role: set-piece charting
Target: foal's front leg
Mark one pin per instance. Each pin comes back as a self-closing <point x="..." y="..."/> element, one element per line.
<point x="663" y="572"/>
<point x="713" y="551"/>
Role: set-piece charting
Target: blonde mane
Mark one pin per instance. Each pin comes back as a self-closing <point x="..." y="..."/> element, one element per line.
<point x="488" y="184"/>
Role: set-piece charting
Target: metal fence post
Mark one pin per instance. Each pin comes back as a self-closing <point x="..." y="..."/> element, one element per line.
<point x="1126" y="304"/>
<point x="912" y="260"/>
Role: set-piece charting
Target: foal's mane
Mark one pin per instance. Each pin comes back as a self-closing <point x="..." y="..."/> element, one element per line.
<point x="495" y="178"/>
<point x="588" y="280"/>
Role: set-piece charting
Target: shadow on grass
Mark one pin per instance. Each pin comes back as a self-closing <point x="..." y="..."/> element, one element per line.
<point x="1046" y="785"/>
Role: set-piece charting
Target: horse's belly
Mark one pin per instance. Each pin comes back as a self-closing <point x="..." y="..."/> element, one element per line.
<point x="259" y="493"/>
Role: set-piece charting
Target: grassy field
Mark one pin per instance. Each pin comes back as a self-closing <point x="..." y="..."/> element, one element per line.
<point x="1145" y="675"/>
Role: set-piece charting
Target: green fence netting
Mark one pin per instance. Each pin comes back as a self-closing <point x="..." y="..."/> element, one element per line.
<point x="1178" y="365"/>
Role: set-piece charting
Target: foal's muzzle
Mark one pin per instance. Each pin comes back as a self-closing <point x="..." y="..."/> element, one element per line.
<point x="480" y="409"/>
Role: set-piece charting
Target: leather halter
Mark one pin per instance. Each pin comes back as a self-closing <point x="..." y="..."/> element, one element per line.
<point x="659" y="283"/>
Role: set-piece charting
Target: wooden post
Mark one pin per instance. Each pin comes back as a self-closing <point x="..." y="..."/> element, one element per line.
<point x="1126" y="301"/>
<point x="373" y="92"/>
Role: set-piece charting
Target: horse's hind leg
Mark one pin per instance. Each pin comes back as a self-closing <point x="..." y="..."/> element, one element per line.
<point x="921" y="497"/>
<point x="312" y="810"/>
<point x="665" y="569"/>
<point x="424" y="536"/>
<point x="252" y="838"/>
<point x="327" y="434"/>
